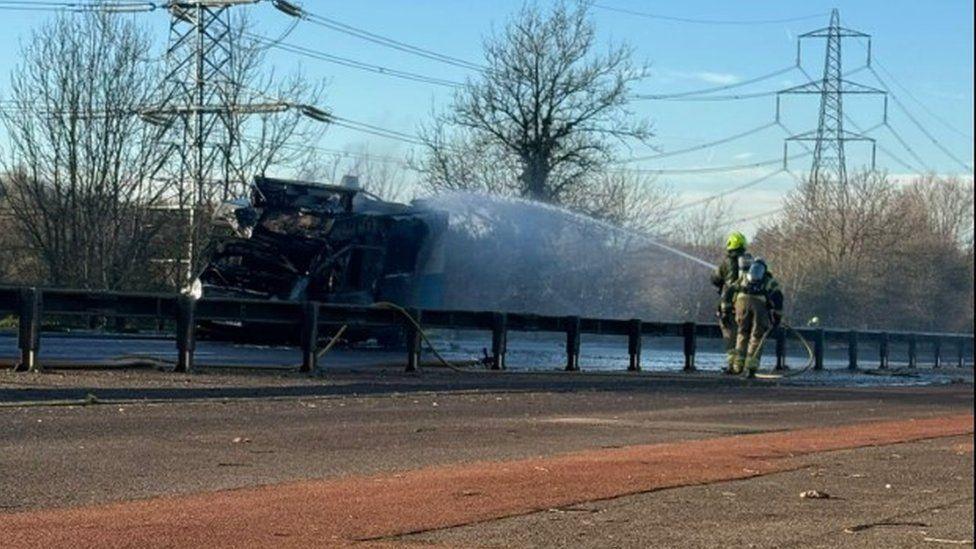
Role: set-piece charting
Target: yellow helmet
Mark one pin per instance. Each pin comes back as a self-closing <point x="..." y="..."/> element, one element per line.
<point x="736" y="241"/>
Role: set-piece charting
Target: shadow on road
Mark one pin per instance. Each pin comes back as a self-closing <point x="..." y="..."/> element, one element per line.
<point x="158" y="386"/>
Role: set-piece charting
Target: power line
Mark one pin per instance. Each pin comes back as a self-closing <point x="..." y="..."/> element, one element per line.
<point x="332" y="24"/>
<point x="375" y="130"/>
<point x="703" y="91"/>
<point x="352" y="63"/>
<point x="335" y="152"/>
<point x="887" y="151"/>
<point x="702" y="98"/>
<point x="753" y="217"/>
<point x="701" y="146"/>
<point x="918" y="101"/>
<point x="700" y="21"/>
<point x="319" y="115"/>
<point x="918" y="124"/>
<point x="727" y="192"/>
<point x="709" y="169"/>
<point x="714" y="169"/>
<point x="80" y="7"/>
<point x="907" y="147"/>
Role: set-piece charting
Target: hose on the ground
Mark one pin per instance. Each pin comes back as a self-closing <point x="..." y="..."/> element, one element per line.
<point x="811" y="356"/>
<point x="420" y="331"/>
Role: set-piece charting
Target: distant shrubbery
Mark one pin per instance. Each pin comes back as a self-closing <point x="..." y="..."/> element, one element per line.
<point x="876" y="253"/>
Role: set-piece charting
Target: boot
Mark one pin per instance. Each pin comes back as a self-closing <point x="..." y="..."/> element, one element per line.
<point x="751" y="365"/>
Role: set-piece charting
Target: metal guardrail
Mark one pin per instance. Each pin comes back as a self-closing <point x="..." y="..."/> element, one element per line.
<point x="31" y="304"/>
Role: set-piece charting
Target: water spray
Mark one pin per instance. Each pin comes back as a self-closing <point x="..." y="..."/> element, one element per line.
<point x="678" y="252"/>
<point x="515" y="254"/>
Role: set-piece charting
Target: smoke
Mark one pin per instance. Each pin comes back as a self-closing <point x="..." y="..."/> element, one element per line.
<point x="521" y="256"/>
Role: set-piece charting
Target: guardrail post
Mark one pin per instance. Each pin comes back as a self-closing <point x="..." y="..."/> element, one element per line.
<point x="883" y="351"/>
<point x="912" y="351"/>
<point x="937" y="353"/>
<point x="780" y="349"/>
<point x="160" y="319"/>
<point x="690" y="344"/>
<point x="29" y="330"/>
<point x="572" y="343"/>
<point x="818" y="349"/>
<point x="413" y="341"/>
<point x="852" y="350"/>
<point x="310" y="336"/>
<point x="634" y="345"/>
<point x="499" y="340"/>
<point x="186" y="332"/>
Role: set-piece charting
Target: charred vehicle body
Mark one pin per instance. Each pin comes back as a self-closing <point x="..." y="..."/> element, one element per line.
<point x="333" y="244"/>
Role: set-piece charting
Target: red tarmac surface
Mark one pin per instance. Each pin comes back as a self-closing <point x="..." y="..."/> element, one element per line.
<point x="345" y="510"/>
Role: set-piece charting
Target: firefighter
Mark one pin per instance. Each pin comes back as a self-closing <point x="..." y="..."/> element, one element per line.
<point x="723" y="278"/>
<point x="758" y="309"/>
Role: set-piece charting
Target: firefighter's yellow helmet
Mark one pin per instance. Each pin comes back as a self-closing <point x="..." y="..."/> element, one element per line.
<point x="736" y="241"/>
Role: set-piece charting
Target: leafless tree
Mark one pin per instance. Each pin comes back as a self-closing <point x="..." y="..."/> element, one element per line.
<point x="80" y="173"/>
<point x="628" y="199"/>
<point x="387" y="177"/>
<point x="948" y="203"/>
<point x="702" y="229"/>
<point x="545" y="114"/>
<point x="872" y="254"/>
<point x="242" y="144"/>
<point x="274" y="140"/>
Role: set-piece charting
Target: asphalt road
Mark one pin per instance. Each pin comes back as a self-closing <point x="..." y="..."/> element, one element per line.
<point x="907" y="495"/>
<point x="151" y="433"/>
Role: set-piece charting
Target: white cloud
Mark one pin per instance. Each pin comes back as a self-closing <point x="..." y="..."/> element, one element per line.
<point x="706" y="77"/>
<point x="720" y="78"/>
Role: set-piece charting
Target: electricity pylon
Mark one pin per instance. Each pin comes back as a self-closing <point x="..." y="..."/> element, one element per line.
<point x="830" y="137"/>
<point x="200" y="106"/>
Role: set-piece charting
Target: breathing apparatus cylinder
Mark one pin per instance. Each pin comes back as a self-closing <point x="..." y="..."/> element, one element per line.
<point x="756" y="271"/>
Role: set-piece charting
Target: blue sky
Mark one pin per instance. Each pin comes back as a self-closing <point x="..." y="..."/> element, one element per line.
<point x="927" y="46"/>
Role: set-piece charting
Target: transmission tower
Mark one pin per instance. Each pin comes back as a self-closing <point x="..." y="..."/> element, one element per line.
<point x="200" y="105"/>
<point x="830" y="137"/>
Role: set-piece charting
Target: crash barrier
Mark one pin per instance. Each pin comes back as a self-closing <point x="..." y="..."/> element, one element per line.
<point x="31" y="305"/>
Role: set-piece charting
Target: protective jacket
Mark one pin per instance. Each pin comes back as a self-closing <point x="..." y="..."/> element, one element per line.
<point x="768" y="288"/>
<point x="726" y="275"/>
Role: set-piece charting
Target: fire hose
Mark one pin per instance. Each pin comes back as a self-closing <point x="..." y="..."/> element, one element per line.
<point x="811" y="357"/>
<point x="420" y="331"/>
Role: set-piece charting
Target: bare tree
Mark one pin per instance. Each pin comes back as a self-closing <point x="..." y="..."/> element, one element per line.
<point x="546" y="112"/>
<point x="629" y="199"/>
<point x="869" y="253"/>
<point x="81" y="171"/>
<point x="948" y="203"/>
<point x="384" y="176"/>
<point x="270" y="140"/>
<point x="702" y="229"/>
<point x="465" y="161"/>
<point x="240" y="142"/>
